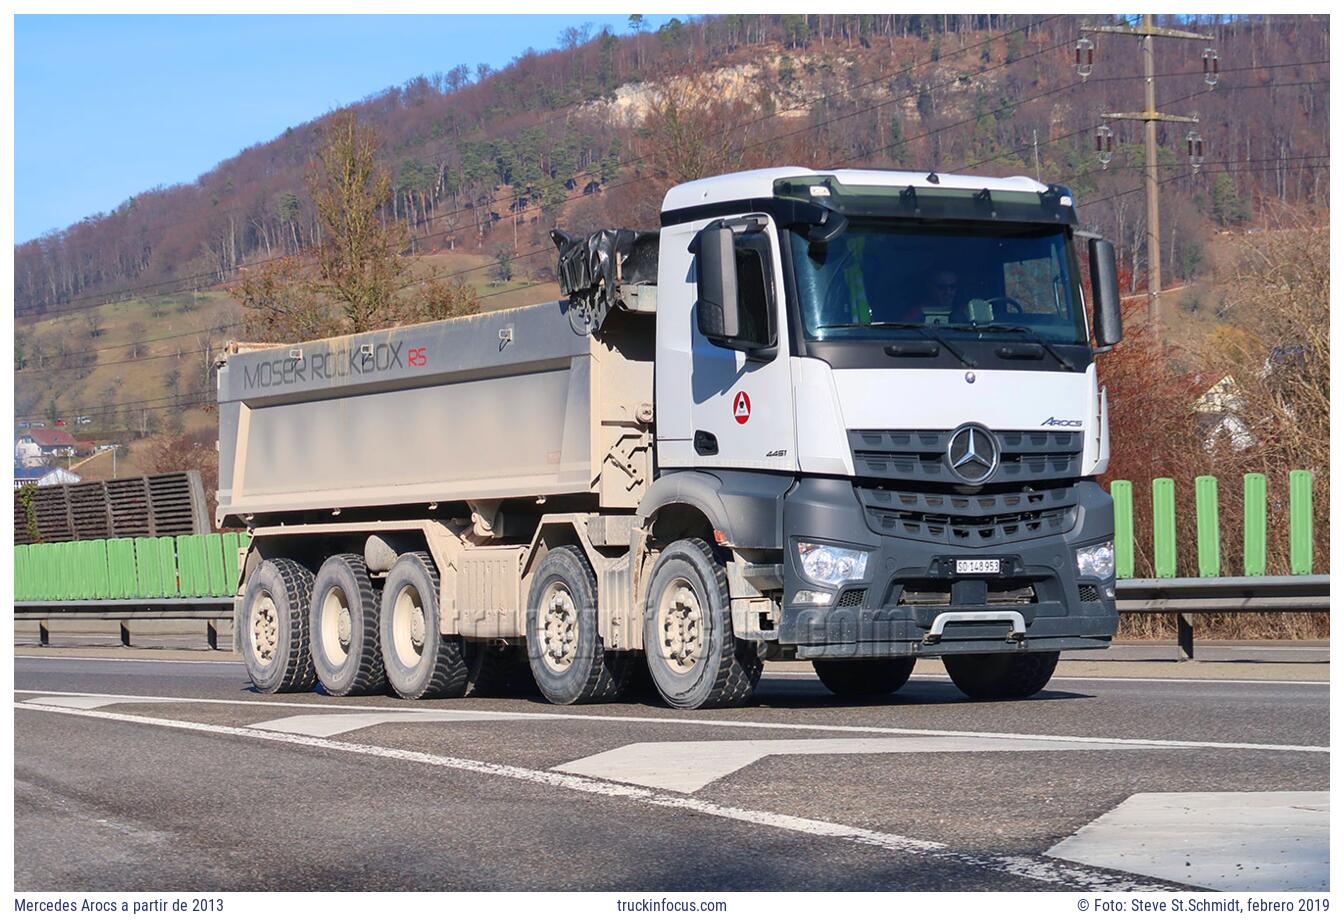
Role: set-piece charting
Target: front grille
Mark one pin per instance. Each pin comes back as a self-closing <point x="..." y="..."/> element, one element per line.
<point x="1088" y="594"/>
<point x="921" y="455"/>
<point x="986" y="519"/>
<point x="852" y="597"/>
<point x="939" y="594"/>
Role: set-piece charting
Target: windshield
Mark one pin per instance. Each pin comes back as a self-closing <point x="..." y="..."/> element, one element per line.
<point x="884" y="279"/>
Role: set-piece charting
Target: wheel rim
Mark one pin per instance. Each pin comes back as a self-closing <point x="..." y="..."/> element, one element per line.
<point x="557" y="628"/>
<point x="265" y="632"/>
<point x="336" y="626"/>
<point x="408" y="626"/>
<point x="681" y="626"/>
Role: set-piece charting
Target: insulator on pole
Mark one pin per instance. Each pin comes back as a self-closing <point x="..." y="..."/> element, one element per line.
<point x="1194" y="146"/>
<point x="1211" y="67"/>
<point x="1105" y="141"/>
<point x="1083" y="57"/>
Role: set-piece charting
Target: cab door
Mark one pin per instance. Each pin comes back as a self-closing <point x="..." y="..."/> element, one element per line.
<point x="742" y="413"/>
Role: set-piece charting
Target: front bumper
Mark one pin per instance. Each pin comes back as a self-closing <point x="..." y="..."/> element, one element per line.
<point x="1036" y="603"/>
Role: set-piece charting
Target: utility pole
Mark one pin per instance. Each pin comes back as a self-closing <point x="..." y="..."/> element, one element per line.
<point x="1147" y="31"/>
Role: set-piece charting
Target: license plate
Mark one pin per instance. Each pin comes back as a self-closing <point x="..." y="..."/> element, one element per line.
<point x="977" y="566"/>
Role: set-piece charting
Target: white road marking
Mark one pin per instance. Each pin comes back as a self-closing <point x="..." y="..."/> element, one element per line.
<point x="324" y="726"/>
<point x="560" y="715"/>
<point x="1048" y="872"/>
<point x="687" y="766"/>
<point x="937" y="678"/>
<point x="87" y="702"/>
<point x="1227" y="841"/>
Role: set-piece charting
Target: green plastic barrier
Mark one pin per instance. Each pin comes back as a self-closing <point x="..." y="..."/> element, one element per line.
<point x="166" y="550"/>
<point x="190" y="561"/>
<point x="1164" y="528"/>
<point x="1208" y="546"/>
<point x="101" y="587"/>
<point x="214" y="565"/>
<point x="121" y="567"/>
<point x="1254" y="545"/>
<point x="231" y="544"/>
<point x="146" y="567"/>
<point x="1299" y="522"/>
<point x="21" y="573"/>
<point x="1122" y="495"/>
<point x="66" y="572"/>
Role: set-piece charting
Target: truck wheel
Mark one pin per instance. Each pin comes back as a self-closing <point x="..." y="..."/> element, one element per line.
<point x="275" y="633"/>
<point x="497" y="670"/>
<point x="1007" y="676"/>
<point x="694" y="659"/>
<point x="344" y="626"/>
<point x="863" y="676"/>
<point x="564" y="649"/>
<point x="421" y="663"/>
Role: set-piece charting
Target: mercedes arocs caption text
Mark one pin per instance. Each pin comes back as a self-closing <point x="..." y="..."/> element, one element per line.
<point x="850" y="417"/>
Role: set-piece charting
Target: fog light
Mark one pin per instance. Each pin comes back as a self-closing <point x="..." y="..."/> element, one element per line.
<point x="1097" y="561"/>
<point x="814" y="598"/>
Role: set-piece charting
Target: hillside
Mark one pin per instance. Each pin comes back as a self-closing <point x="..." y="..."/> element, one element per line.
<point x="117" y="313"/>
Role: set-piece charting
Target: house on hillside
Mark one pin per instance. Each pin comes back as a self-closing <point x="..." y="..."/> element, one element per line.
<point x="36" y="446"/>
<point x="1219" y="410"/>
<point x="41" y="476"/>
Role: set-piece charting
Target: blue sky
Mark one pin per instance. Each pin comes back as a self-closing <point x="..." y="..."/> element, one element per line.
<point x="108" y="106"/>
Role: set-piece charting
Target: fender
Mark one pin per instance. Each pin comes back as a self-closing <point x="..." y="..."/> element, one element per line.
<point x="747" y="507"/>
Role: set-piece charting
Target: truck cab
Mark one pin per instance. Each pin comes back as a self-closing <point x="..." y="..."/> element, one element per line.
<point x="903" y="365"/>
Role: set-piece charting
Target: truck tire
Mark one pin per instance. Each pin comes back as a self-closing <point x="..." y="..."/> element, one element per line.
<point x="420" y="662"/>
<point x="1007" y="676"/>
<point x="564" y="649"/>
<point x="497" y="670"/>
<point x="856" y="677"/>
<point x="344" y="617"/>
<point x="694" y="659"/>
<point x="275" y="629"/>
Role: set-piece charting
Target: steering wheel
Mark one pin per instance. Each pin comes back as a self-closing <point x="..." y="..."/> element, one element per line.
<point x="1010" y="304"/>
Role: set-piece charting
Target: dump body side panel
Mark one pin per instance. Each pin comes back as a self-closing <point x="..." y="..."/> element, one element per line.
<point x="491" y="406"/>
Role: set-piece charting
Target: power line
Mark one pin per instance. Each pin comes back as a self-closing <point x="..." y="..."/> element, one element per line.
<point x="1247" y="86"/>
<point x="1186" y="175"/>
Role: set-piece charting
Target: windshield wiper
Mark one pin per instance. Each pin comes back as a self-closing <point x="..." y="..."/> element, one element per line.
<point x="1030" y="333"/>
<point x="921" y="327"/>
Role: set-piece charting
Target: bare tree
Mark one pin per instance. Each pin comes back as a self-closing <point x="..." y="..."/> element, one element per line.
<point x="359" y="260"/>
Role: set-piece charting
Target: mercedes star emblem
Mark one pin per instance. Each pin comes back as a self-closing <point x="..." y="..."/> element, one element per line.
<point x="973" y="453"/>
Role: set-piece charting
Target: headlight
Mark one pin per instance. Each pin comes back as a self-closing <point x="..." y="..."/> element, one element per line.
<point x="831" y="565"/>
<point x="1097" y="561"/>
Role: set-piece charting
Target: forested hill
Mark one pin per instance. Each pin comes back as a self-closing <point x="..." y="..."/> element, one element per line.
<point x="592" y="133"/>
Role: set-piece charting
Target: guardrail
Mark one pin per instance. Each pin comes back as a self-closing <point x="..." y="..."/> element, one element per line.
<point x="1188" y="596"/>
<point x="1182" y="596"/>
<point x="213" y="610"/>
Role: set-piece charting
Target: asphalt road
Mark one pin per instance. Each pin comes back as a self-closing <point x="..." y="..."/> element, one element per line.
<point x="163" y="773"/>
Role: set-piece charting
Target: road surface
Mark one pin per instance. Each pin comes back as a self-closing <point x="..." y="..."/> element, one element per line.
<point x="151" y="770"/>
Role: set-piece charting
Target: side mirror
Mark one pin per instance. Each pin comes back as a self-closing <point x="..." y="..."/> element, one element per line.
<point x="1105" y="292"/>
<point x="716" y="307"/>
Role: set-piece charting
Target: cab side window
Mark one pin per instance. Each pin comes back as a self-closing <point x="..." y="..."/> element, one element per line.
<point x="755" y="286"/>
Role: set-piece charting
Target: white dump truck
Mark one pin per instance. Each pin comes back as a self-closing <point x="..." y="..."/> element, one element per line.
<point x="850" y="417"/>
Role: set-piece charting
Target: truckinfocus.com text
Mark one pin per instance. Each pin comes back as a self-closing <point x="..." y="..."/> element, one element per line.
<point x="667" y="905"/>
